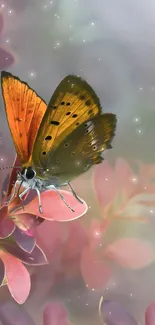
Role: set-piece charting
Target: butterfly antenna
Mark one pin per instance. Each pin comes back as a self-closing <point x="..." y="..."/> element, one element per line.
<point x="9" y="167"/>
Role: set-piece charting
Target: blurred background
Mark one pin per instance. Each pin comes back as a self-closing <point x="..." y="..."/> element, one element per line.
<point x="111" y="250"/>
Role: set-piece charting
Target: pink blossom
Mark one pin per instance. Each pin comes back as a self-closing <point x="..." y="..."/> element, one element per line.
<point x="13" y="272"/>
<point x="123" y="193"/>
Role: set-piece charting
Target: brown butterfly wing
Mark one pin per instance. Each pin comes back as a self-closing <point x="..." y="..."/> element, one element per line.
<point x="73" y="102"/>
<point x="24" y="111"/>
<point x="81" y="149"/>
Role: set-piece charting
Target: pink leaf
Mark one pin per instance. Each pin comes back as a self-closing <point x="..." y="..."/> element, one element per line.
<point x="104" y="183"/>
<point x="95" y="272"/>
<point x="6" y="225"/>
<point x="130" y="253"/>
<point x="150" y="314"/>
<point x="124" y="175"/>
<point x="3" y="62"/>
<point x="55" y="314"/>
<point x="54" y="207"/>
<point x="18" y="278"/>
<point x="24" y="221"/>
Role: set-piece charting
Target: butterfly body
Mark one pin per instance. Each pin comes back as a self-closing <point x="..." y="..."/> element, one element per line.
<point x="56" y="143"/>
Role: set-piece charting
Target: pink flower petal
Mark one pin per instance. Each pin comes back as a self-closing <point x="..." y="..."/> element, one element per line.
<point x="35" y="257"/>
<point x="27" y="243"/>
<point x="25" y="221"/>
<point x="124" y="176"/>
<point x="18" y="278"/>
<point x="55" y="314"/>
<point x="6" y="225"/>
<point x="130" y="253"/>
<point x="54" y="208"/>
<point x="95" y="272"/>
<point x="150" y="314"/>
<point x="76" y="241"/>
<point x="104" y="183"/>
<point x="5" y="63"/>
<point x="7" y="228"/>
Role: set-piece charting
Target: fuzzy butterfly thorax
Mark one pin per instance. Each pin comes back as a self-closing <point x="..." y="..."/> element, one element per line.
<point x="61" y="140"/>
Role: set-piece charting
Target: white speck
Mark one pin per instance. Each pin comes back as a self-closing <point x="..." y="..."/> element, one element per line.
<point x="56" y="16"/>
<point x="140" y="88"/>
<point x="2" y="5"/>
<point x="1" y="159"/>
<point x="6" y="58"/>
<point x="136" y="119"/>
<point x="131" y="294"/>
<point x="100" y="245"/>
<point x="86" y="304"/>
<point x="139" y="131"/>
<point x="151" y="211"/>
<point x="79" y="297"/>
<point x="93" y="289"/>
<point x="87" y="285"/>
<point x="106" y="179"/>
<point x="92" y="24"/>
<point x="10" y="12"/>
<point x="7" y="41"/>
<point x="31" y="258"/>
<point x="32" y="74"/>
<point x="84" y="40"/>
<point x="99" y="59"/>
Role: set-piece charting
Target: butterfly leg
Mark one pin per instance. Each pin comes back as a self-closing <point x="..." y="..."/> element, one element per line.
<point x="22" y="194"/>
<point x="39" y="200"/>
<point x="74" y="193"/>
<point x="63" y="199"/>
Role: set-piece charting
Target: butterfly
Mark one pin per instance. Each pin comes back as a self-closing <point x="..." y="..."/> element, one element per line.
<point x="56" y="142"/>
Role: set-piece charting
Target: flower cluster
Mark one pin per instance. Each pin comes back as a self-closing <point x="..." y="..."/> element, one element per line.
<point x="17" y="241"/>
<point x="126" y="198"/>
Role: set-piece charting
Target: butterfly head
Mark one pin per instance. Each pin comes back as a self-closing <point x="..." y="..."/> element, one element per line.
<point x="28" y="173"/>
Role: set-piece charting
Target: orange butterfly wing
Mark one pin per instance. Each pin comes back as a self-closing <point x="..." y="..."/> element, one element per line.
<point x="24" y="111"/>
